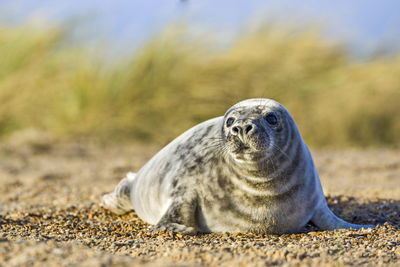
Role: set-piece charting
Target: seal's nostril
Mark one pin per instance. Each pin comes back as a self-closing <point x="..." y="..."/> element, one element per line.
<point x="248" y="128"/>
<point x="235" y="129"/>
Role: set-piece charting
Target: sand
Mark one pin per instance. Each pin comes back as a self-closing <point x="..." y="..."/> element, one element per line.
<point x="50" y="213"/>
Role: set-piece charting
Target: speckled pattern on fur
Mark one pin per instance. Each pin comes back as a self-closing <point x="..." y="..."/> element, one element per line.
<point x="242" y="172"/>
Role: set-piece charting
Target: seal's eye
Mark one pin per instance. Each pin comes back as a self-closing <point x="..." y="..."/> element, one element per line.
<point x="229" y="122"/>
<point x="271" y="119"/>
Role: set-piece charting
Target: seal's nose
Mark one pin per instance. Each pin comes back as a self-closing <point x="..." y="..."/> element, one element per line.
<point x="243" y="129"/>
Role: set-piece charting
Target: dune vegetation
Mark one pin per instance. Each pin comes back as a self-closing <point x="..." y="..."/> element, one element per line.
<point x="175" y="81"/>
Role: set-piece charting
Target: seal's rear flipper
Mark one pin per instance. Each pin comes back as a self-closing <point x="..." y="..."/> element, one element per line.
<point x="119" y="201"/>
<point x="324" y="219"/>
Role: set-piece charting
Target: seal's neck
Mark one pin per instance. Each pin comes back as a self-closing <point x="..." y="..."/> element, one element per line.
<point x="260" y="165"/>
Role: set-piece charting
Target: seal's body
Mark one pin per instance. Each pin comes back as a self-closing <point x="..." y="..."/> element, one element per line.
<point x="248" y="171"/>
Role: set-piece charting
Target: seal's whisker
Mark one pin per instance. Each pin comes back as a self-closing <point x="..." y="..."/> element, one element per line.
<point x="272" y="163"/>
<point x="281" y="151"/>
<point x="241" y="184"/>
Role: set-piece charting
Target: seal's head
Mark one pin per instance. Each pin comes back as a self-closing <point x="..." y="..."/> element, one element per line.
<point x="257" y="128"/>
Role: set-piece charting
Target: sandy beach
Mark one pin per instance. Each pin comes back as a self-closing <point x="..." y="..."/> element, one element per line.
<point x="50" y="213"/>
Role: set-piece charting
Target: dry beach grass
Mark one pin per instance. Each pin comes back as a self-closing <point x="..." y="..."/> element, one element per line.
<point x="50" y="187"/>
<point x="50" y="215"/>
<point x="177" y="80"/>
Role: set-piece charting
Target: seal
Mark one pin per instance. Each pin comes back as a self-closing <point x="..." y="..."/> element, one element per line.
<point x="248" y="171"/>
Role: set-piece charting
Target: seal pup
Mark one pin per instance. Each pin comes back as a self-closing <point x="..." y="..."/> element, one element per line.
<point x="248" y="171"/>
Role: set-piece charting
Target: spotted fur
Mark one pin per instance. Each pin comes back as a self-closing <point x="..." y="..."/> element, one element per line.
<point x="248" y="176"/>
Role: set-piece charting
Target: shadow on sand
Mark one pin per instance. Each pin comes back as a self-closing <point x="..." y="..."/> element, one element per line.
<point x="376" y="212"/>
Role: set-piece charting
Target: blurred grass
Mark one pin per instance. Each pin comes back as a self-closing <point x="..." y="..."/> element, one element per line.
<point x="174" y="82"/>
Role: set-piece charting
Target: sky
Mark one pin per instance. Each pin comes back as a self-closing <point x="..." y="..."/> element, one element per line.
<point x="364" y="24"/>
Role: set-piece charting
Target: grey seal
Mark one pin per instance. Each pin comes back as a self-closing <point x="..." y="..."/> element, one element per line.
<point x="246" y="171"/>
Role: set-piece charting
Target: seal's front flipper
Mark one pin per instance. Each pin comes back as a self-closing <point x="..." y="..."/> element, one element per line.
<point x="174" y="227"/>
<point x="324" y="219"/>
<point x="119" y="201"/>
<point x="180" y="217"/>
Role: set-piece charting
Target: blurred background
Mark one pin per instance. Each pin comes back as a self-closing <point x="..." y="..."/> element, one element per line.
<point x="145" y="71"/>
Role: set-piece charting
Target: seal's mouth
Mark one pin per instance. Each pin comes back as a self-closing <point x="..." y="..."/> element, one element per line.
<point x="255" y="144"/>
<point x="241" y="148"/>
